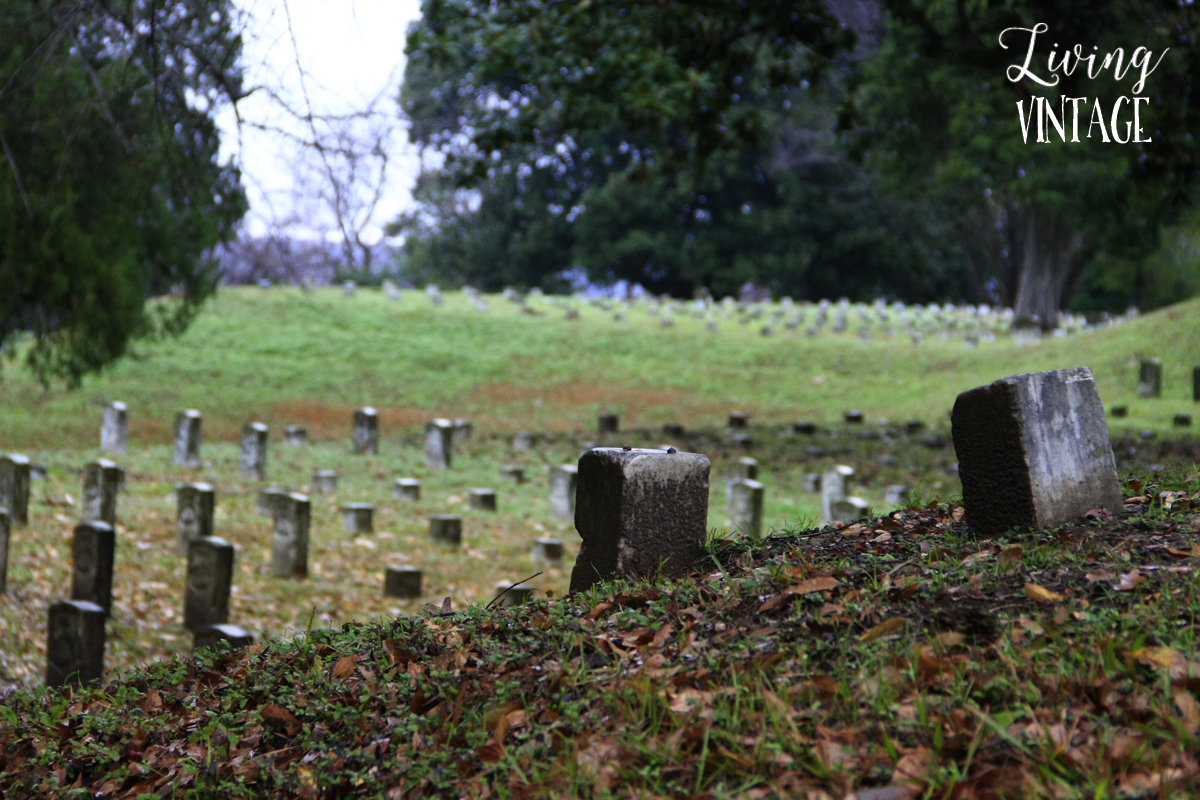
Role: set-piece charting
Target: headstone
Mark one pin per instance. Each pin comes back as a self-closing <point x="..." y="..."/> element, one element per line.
<point x="445" y="529"/>
<point x="37" y="472"/>
<point x="14" y="487"/>
<point x="295" y="435"/>
<point x="407" y="489"/>
<point x="848" y="509"/>
<point x="482" y="499"/>
<point x="673" y="429"/>
<point x="324" y="481"/>
<point x="741" y="469"/>
<point x="1147" y="434"/>
<point x="5" y="530"/>
<point x="209" y="578"/>
<point x="1119" y="411"/>
<point x="738" y="419"/>
<point x="806" y="428"/>
<point x="1196" y="384"/>
<point x="811" y="482"/>
<point x="439" y="442"/>
<point x="462" y="430"/>
<point x="236" y="636"/>
<point x="833" y="488"/>
<point x="187" y="439"/>
<point x="510" y="595"/>
<point x="194" y="507"/>
<point x="114" y="428"/>
<point x="853" y="417"/>
<point x="268" y="501"/>
<point x="402" y="582"/>
<point x="513" y="473"/>
<point x="348" y="288"/>
<point x="896" y="496"/>
<point x="639" y="511"/>
<point x="914" y="426"/>
<point x="253" y="459"/>
<point x="563" y="481"/>
<point x="366" y="430"/>
<point x="547" y="551"/>
<point x="358" y="518"/>
<point x="92" y="564"/>
<point x="1182" y="420"/>
<point x="1150" y="378"/>
<point x="746" y="507"/>
<point x="1034" y="451"/>
<point x="522" y="441"/>
<point x="74" y="643"/>
<point x="742" y="441"/>
<point x="289" y="540"/>
<point x="100" y="480"/>
<point x="608" y="423"/>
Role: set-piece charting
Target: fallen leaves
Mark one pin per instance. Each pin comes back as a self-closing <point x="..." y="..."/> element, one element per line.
<point x="278" y="717"/>
<point x="1040" y="594"/>
<point x="885" y="628"/>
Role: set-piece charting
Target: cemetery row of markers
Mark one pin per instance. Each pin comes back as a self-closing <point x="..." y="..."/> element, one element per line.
<point x="618" y="538"/>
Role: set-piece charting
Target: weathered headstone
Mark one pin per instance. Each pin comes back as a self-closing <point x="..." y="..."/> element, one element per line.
<point x="268" y="501"/>
<point x="673" y="429"/>
<point x="209" y="579"/>
<point x="746" y="507"/>
<point x="445" y="529"/>
<point x="235" y="635"/>
<point x="1196" y="384"/>
<point x="738" y="419"/>
<point x="896" y="496"/>
<point x="402" y="582"/>
<point x="1119" y="411"/>
<point x="811" y="482"/>
<point x="295" y="435"/>
<point x="1150" y="378"/>
<point x="348" y="288"/>
<point x="366" y="430"/>
<point x="358" y="518"/>
<point x="848" y="509"/>
<point x="853" y="417"/>
<point x="114" y="428"/>
<point x="14" y="487"/>
<point x="547" y="551"/>
<point x="100" y="480"/>
<point x="482" y="499"/>
<point x="324" y="481"/>
<point x="513" y="473"/>
<point x="608" y="423"/>
<point x="914" y="426"/>
<point x="92" y="564"/>
<point x="1034" y="451"/>
<point x="833" y="488"/>
<point x="289" y="540"/>
<point x="805" y="427"/>
<point x="742" y="441"/>
<point x="439" y="443"/>
<point x="563" y="481"/>
<point x="252" y="460"/>
<point x="187" y="438"/>
<point x="638" y="511"/>
<point x="522" y="441"/>
<point x="194" y="507"/>
<point x="1182" y="420"/>
<point x="407" y="489"/>
<point x="5" y="530"/>
<point x="74" y="643"/>
<point x="741" y="469"/>
<point x="509" y="595"/>
<point x="462" y="430"/>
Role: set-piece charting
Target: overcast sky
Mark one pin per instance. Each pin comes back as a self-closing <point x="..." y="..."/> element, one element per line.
<point x="352" y="50"/>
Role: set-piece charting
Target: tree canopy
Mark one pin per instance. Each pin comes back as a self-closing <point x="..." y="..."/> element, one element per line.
<point x="110" y="187"/>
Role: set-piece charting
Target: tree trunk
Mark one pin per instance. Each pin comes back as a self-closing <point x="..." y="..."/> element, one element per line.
<point x="1044" y="257"/>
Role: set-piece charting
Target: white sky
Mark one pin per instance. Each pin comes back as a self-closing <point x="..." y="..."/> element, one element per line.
<point x="352" y="50"/>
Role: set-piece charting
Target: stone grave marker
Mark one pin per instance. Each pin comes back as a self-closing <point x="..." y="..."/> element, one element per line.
<point x="358" y="518"/>
<point x="324" y="481"/>
<point x="853" y="417"/>
<point x="366" y="430"/>
<point x="209" y="579"/>
<point x="100" y="480"/>
<point x="608" y="423"/>
<point x="1119" y="411"/>
<point x="914" y="427"/>
<point x="74" y="643"/>
<point x="547" y="551"/>
<point x="740" y="469"/>
<point x="407" y="489"/>
<point x="445" y="529"/>
<point x="522" y="441"/>
<point x="5" y="530"/>
<point x="805" y="427"/>
<point x="738" y="419"/>
<point x="673" y="429"/>
<point x="1150" y="378"/>
<point x="746" y="507"/>
<point x="563" y="480"/>
<point x="811" y="482"/>
<point x="639" y="511"/>
<point x="114" y="428"/>
<point x="195" y="504"/>
<point x="833" y="488"/>
<point x="348" y="288"/>
<point x="482" y="499"/>
<point x="896" y="496"/>
<point x="509" y="595"/>
<point x="1182" y="421"/>
<point x="1196" y="384"/>
<point x="15" y="472"/>
<point x="268" y="501"/>
<point x="237" y="637"/>
<point x="512" y="472"/>
<point x="289" y="540"/>
<point x="92" y="564"/>
<point x="742" y="441"/>
<point x="462" y="431"/>
<point x="295" y="435"/>
<point x="402" y="582"/>
<point x="1034" y="451"/>
<point x="252" y="459"/>
<point x="187" y="438"/>
<point x="439" y="443"/>
<point x="848" y="509"/>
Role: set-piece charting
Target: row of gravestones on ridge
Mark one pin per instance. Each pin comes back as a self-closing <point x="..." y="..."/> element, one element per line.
<point x="1150" y="384"/>
<point x="1034" y="452"/>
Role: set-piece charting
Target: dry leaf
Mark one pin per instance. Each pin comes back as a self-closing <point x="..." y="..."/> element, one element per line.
<point x="813" y="585"/>
<point x="343" y="668"/>
<point x="883" y="629"/>
<point x="1130" y="580"/>
<point x="278" y="717"/>
<point x="1040" y="594"/>
<point x="1011" y="556"/>
<point x="1166" y="658"/>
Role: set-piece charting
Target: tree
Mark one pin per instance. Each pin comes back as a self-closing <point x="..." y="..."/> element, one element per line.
<point x="110" y="188"/>
<point x="939" y="115"/>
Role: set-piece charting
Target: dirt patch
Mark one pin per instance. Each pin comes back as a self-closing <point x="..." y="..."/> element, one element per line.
<point x="327" y="421"/>
<point x="577" y="394"/>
